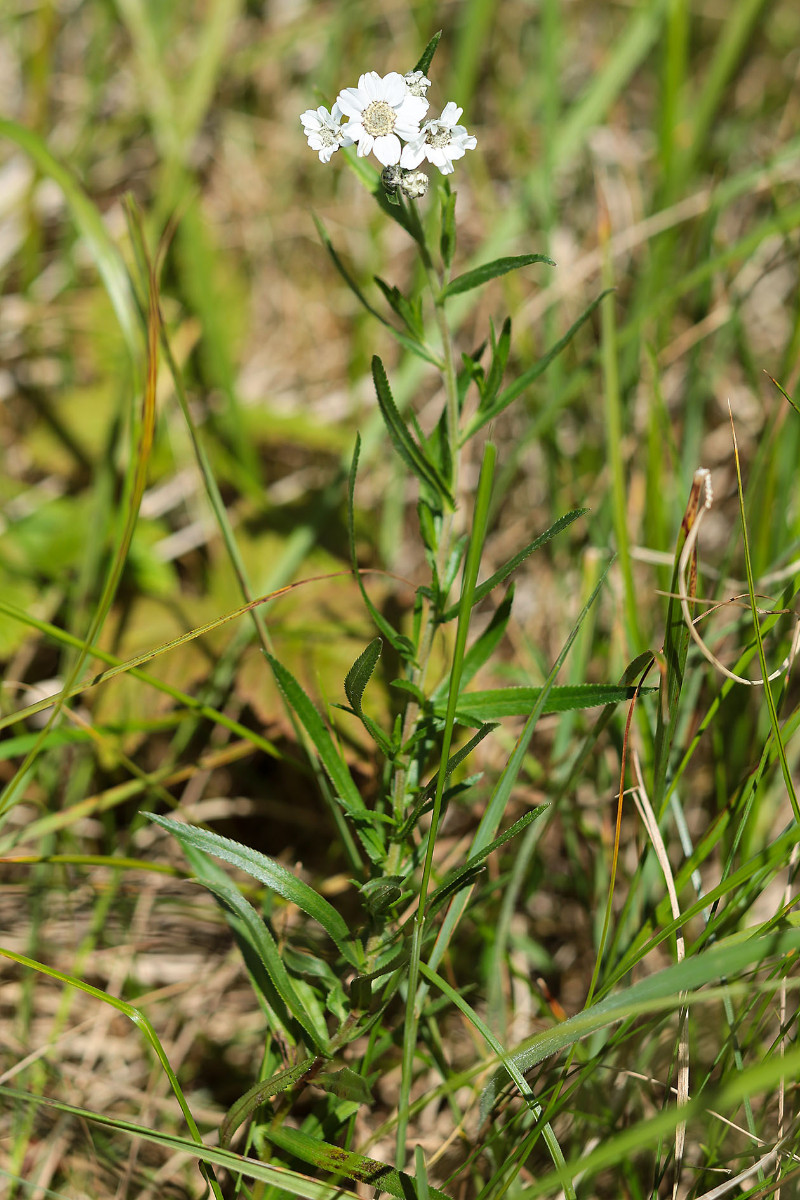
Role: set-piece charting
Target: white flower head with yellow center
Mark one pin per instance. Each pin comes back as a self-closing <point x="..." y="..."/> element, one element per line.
<point x="382" y="109"/>
<point x="440" y="141"/>
<point x="324" y="131"/>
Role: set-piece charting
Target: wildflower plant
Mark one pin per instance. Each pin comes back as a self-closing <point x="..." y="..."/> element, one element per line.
<point x="375" y="987"/>
<point x="375" y="983"/>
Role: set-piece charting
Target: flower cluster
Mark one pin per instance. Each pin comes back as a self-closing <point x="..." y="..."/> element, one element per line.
<point x="382" y="113"/>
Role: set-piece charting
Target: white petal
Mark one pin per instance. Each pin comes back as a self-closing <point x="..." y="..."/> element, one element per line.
<point x="394" y="89"/>
<point x="371" y="85"/>
<point x="412" y="155"/>
<point x="365" y="144"/>
<point x="412" y="110"/>
<point x="387" y="149"/>
<point x="310" y="119"/>
<point x="351" y="102"/>
<point x="451" y="113"/>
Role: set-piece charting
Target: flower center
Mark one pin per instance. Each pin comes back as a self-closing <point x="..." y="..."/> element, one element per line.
<point x="327" y="136"/>
<point x="438" y="135"/>
<point x="378" y="118"/>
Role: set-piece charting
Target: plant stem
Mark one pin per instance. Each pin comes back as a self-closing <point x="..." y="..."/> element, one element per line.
<point x="428" y="625"/>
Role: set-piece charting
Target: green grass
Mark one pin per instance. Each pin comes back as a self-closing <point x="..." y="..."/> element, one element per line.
<point x="400" y="939"/>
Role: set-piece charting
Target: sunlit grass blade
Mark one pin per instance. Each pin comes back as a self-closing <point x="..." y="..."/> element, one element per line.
<point x="139" y="1019"/>
<point x="282" y="1178"/>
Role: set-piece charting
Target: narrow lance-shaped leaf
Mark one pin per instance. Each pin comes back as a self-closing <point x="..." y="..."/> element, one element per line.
<point x="500" y="351"/>
<point x="503" y="572"/>
<point x="467" y="871"/>
<point x="258" y="1094"/>
<point x="447" y="240"/>
<point x="406" y="447"/>
<point x="426" y="58"/>
<point x="344" y="1163"/>
<point x="523" y="381"/>
<point x="336" y="768"/>
<point x="360" y="673"/>
<point x="269" y="872"/>
<point x="357" y="679"/>
<point x="491" y="270"/>
<point x="263" y="944"/>
<point x="496" y="703"/>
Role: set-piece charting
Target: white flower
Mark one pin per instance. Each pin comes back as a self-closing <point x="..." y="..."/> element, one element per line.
<point x="324" y="132"/>
<point x="381" y="111"/>
<point x="417" y="83"/>
<point x="439" y="141"/>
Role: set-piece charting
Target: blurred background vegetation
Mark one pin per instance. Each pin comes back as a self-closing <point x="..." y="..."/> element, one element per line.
<point x="652" y="147"/>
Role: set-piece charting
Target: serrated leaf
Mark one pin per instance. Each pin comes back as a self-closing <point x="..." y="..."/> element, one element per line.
<point x="345" y="1164"/>
<point x="503" y="572"/>
<point x="515" y="389"/>
<point x="271" y="873"/>
<point x="429" y="790"/>
<point x="336" y="768"/>
<point x="361" y="672"/>
<point x="357" y="679"/>
<point x="263" y="944"/>
<point x="257" y="1095"/>
<point x="426" y="58"/>
<point x="497" y="703"/>
<point x="411" y="454"/>
<point x="491" y="270"/>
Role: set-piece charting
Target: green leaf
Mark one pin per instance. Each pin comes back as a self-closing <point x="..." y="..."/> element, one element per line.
<point x="345" y="1164"/>
<point x="447" y="241"/>
<point x="346" y="1085"/>
<point x="465" y="874"/>
<point x="491" y="270"/>
<point x="90" y="225"/>
<point x="398" y="641"/>
<point x="408" y="312"/>
<point x="500" y="351"/>
<point x="273" y="875"/>
<point x="336" y="768"/>
<point x="662" y="990"/>
<point x="257" y="1095"/>
<point x="426" y="58"/>
<point x="357" y="679"/>
<point x="263" y="944"/>
<point x="360" y="673"/>
<point x="483" y="647"/>
<point x="497" y="703"/>
<point x="515" y="389"/>
<point x="429" y="790"/>
<point x="503" y="572"/>
<point x="412" y="455"/>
